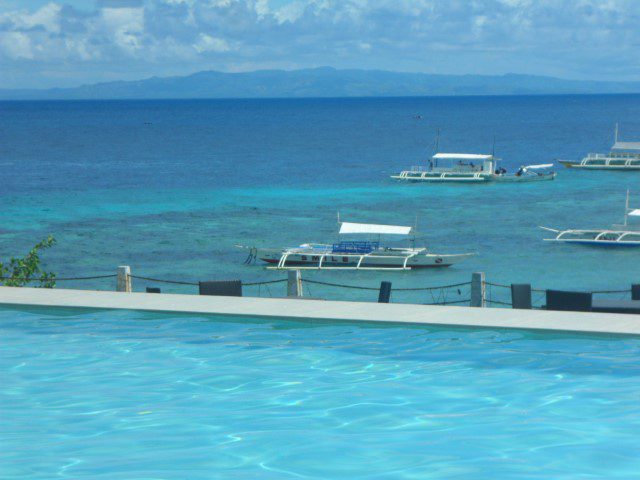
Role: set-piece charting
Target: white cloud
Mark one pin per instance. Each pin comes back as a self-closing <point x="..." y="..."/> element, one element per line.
<point x="290" y="12"/>
<point x="47" y="18"/>
<point x="125" y="26"/>
<point x="570" y="39"/>
<point x="207" y="43"/>
<point x="16" y="45"/>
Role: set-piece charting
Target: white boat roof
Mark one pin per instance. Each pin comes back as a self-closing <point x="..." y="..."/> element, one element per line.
<point x="542" y="165"/>
<point x="346" y="227"/>
<point x="626" y="146"/>
<point x="635" y="213"/>
<point x="462" y="156"/>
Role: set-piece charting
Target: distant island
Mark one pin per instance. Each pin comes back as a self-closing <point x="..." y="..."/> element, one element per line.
<point x="321" y="82"/>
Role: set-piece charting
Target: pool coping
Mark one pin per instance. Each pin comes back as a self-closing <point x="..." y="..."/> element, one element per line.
<point x="307" y="309"/>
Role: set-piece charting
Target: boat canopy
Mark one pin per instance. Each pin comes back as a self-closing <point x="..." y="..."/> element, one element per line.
<point x="461" y="156"/>
<point x="635" y="213"/>
<point x="626" y="146"/>
<point x="346" y="227"/>
<point x="540" y="166"/>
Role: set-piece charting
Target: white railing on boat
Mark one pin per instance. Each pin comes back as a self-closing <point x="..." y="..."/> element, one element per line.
<point x="613" y="156"/>
<point x="282" y="263"/>
<point x="455" y="169"/>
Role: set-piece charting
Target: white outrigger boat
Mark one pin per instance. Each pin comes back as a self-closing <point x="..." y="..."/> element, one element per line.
<point x="617" y="235"/>
<point x="472" y="168"/>
<point x="623" y="156"/>
<point x="355" y="255"/>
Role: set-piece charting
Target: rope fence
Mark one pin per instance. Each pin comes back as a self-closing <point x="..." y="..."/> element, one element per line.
<point x="158" y="280"/>
<point x="474" y="293"/>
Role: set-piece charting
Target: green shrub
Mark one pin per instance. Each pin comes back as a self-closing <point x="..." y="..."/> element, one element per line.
<point x="21" y="271"/>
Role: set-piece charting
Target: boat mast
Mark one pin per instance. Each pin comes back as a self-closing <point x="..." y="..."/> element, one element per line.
<point x="616" y="139"/>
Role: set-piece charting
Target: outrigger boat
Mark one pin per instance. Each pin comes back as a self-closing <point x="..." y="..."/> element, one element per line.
<point x="623" y="156"/>
<point x="355" y="255"/>
<point x="617" y="235"/>
<point x="472" y="168"/>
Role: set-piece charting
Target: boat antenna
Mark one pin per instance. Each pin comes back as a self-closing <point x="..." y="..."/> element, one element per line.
<point x="626" y="209"/>
<point x="493" y="147"/>
<point x="415" y="230"/>
<point x="616" y="139"/>
<point x="436" y="146"/>
<point x="338" y="217"/>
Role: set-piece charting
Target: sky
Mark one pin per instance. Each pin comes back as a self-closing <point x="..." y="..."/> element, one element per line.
<point x="62" y="43"/>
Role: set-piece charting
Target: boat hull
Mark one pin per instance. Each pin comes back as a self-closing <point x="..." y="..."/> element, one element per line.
<point x="597" y="243"/>
<point x="446" y="178"/>
<point x="580" y="165"/>
<point x="489" y="178"/>
<point x="524" y="178"/>
<point x="382" y="260"/>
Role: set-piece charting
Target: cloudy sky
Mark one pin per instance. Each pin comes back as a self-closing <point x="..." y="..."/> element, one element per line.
<point x="47" y="43"/>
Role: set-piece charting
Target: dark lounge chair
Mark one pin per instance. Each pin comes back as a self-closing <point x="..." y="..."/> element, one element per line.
<point x="569" y="301"/>
<point x="521" y="296"/>
<point x="226" y="288"/>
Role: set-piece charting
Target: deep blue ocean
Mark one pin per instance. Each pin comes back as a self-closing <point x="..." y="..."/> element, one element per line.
<point x="169" y="187"/>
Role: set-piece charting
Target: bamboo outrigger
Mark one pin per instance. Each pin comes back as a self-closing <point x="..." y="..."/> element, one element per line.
<point x="624" y="235"/>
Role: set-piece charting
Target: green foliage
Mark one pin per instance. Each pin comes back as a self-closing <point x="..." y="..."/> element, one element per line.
<point x="21" y="271"/>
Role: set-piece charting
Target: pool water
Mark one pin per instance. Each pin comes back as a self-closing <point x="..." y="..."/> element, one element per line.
<point x="131" y="395"/>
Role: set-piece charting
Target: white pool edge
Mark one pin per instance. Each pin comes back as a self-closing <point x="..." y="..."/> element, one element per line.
<point x="392" y="313"/>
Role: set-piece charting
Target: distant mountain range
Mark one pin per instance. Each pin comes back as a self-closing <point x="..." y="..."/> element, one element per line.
<point x="321" y="82"/>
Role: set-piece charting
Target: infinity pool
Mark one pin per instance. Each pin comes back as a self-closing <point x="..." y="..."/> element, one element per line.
<point x="130" y="395"/>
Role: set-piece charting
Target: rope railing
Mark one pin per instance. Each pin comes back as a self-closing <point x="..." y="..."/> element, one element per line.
<point x="180" y="282"/>
<point x="439" y="295"/>
<point x="454" y="302"/>
<point x="610" y="291"/>
<point x="498" y="302"/>
<point x="442" y="287"/>
<point x="499" y="285"/>
<point x="359" y="287"/>
<point x="268" y="282"/>
<point x="329" y="284"/>
<point x="159" y="280"/>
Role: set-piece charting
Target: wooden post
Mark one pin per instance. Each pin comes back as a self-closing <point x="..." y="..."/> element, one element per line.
<point x="124" y="279"/>
<point x="477" y="289"/>
<point x="294" y="284"/>
<point x="385" y="292"/>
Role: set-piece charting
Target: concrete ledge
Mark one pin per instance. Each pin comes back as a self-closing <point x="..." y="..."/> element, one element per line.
<point x="327" y="310"/>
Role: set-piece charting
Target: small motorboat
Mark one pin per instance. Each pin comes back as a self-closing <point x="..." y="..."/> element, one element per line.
<point x="355" y="254"/>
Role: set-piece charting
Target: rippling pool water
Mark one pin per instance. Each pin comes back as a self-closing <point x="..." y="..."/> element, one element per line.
<point x="130" y="395"/>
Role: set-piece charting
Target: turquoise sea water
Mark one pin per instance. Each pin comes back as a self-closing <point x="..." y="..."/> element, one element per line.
<point x="169" y="187"/>
<point x="130" y="395"/>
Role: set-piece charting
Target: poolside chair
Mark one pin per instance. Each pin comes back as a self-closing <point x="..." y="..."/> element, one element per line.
<point x="226" y="288"/>
<point x="521" y="296"/>
<point x="385" y="292"/>
<point x="569" y="301"/>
